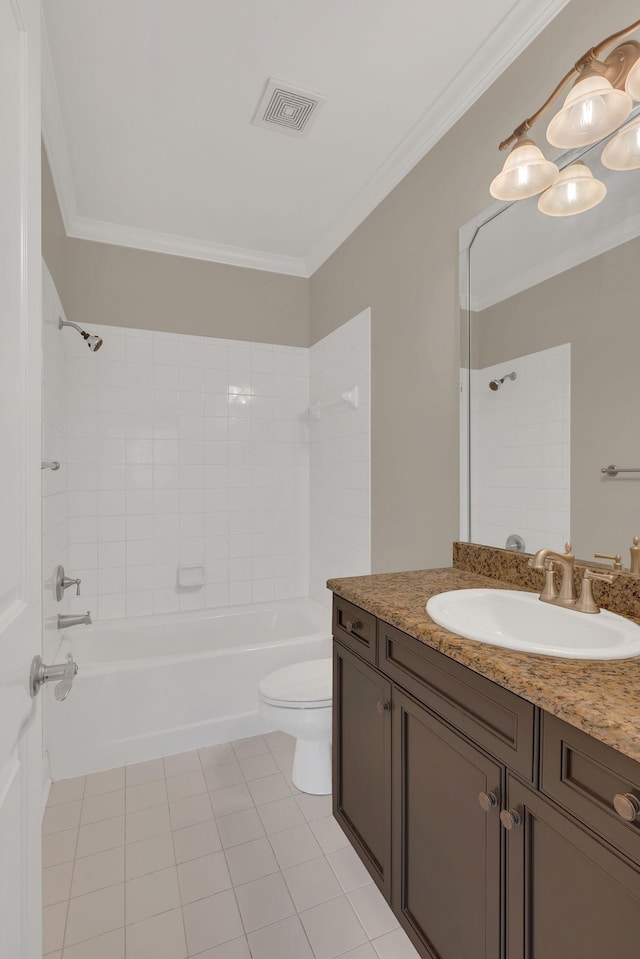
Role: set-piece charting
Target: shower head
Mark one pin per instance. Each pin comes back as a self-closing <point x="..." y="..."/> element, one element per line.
<point x="496" y="384"/>
<point x="93" y="342"/>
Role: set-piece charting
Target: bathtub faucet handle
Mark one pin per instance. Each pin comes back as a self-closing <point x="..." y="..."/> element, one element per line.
<point x="62" y="674"/>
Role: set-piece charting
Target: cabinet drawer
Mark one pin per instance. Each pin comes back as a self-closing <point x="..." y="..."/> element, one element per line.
<point x="355" y="628"/>
<point x="584" y="776"/>
<point x="499" y="721"/>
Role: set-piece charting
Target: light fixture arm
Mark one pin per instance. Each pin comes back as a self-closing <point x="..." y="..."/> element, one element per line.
<point x="587" y="60"/>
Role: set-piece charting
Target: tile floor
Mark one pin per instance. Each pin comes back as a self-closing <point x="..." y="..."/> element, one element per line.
<point x="211" y="854"/>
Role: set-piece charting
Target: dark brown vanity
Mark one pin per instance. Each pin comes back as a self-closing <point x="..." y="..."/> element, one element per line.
<point x="493" y="828"/>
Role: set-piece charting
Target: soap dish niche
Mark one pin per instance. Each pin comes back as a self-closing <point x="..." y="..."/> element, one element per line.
<point x="190" y="575"/>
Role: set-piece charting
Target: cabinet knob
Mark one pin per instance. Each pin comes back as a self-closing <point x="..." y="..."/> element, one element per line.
<point x="352" y="625"/>
<point x="510" y="819"/>
<point x="384" y="707"/>
<point x="627" y="806"/>
<point x="488" y="801"/>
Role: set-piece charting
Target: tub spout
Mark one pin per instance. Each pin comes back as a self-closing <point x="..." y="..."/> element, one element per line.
<point x="65" y="620"/>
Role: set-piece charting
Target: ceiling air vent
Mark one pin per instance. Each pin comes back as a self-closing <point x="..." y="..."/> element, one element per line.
<point x="287" y="109"/>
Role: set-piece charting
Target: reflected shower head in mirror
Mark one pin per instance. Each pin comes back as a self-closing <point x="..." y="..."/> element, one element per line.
<point x="93" y="342"/>
<point x="496" y="384"/>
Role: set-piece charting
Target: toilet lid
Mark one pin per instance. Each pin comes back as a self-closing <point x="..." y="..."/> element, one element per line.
<point x="303" y="685"/>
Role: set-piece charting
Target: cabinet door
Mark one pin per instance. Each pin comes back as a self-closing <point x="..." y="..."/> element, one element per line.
<point x="446" y="847"/>
<point x="362" y="761"/>
<point x="568" y="895"/>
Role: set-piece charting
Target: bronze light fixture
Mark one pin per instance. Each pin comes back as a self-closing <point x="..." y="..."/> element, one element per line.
<point x="599" y="102"/>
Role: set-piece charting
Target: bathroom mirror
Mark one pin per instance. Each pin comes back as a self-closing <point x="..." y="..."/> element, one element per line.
<point x="551" y="373"/>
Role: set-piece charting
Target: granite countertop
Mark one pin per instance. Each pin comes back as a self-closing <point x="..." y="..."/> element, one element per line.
<point x="600" y="698"/>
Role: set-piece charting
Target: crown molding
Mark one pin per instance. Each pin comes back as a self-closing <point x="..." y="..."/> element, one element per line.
<point x="515" y="33"/>
<point x="117" y="234"/>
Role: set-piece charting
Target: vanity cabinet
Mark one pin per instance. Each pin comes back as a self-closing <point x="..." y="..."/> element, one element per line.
<point x="568" y="896"/>
<point x="489" y="826"/>
<point x="362" y="761"/>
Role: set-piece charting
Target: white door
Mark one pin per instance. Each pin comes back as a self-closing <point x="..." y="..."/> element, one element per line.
<point x="21" y="792"/>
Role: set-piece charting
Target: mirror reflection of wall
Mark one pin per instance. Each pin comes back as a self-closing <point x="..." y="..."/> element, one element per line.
<point x="556" y="302"/>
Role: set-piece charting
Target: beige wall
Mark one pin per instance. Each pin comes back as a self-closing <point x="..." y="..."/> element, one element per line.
<point x="402" y="262"/>
<point x="119" y="286"/>
<point x="593" y="307"/>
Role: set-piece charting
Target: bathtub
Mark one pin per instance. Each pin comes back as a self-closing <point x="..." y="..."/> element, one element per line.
<point x="158" y="685"/>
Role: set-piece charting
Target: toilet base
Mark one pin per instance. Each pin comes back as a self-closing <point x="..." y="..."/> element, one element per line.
<point x="312" y="767"/>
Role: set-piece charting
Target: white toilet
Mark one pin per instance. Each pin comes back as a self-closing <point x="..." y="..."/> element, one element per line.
<point x="297" y="700"/>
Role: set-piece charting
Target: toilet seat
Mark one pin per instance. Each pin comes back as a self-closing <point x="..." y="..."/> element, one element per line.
<point x="301" y="686"/>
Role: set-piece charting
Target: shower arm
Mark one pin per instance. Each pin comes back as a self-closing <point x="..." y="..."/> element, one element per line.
<point x="62" y="323"/>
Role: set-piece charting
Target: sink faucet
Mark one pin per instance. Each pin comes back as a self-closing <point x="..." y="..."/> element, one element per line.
<point x="568" y="594"/>
<point x="66" y="620"/>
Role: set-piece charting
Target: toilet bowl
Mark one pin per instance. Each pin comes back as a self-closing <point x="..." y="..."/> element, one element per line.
<point x="297" y="700"/>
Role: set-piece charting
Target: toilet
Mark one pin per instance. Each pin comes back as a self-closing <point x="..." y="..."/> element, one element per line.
<point x="297" y="699"/>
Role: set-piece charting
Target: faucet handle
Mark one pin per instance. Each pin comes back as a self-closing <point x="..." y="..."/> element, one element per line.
<point x="616" y="560"/>
<point x="586" y="603"/>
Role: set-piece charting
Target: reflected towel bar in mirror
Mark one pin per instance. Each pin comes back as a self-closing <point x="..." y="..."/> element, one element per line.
<point x="614" y="470"/>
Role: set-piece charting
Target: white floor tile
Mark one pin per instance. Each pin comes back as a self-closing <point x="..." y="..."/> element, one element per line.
<point x="236" y="949"/>
<point x="281" y="940"/>
<point x="152" y="894"/>
<point x="187" y="784"/>
<point x="240" y="827"/>
<point x="349" y="869"/>
<point x="189" y="812"/>
<point x="100" y="836"/>
<point x="231" y="799"/>
<point x="210" y="922"/>
<point x="67" y="790"/>
<point x="361" y="952"/>
<point x="284" y="759"/>
<point x="395" y="945"/>
<point x="203" y="877"/>
<point x="53" y="920"/>
<point x="253" y="746"/>
<point x="98" y="871"/>
<point x="149" y="855"/>
<point x="314" y="807"/>
<point x="311" y="883"/>
<point x="295" y="845"/>
<point x="161" y="937"/>
<point x="279" y="740"/>
<point x="218" y="777"/>
<point x="144" y="772"/>
<point x="329" y="834"/>
<point x="264" y="901"/>
<point x="64" y="816"/>
<point x="251" y="860"/>
<point x="109" y="946"/>
<point x="182" y="763"/>
<point x="281" y="815"/>
<point x="56" y="883"/>
<point x="104" y="782"/>
<point x="373" y="912"/>
<point x="59" y="847"/>
<point x="333" y="928"/>
<point x="220" y="755"/>
<point x="94" y="914"/>
<point x="269" y="789"/>
<point x="257" y="767"/>
<point x="194" y="841"/>
<point x="145" y="795"/>
<point x="104" y="806"/>
<point x="147" y="823"/>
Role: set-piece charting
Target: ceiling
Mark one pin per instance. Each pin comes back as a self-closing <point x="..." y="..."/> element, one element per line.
<point x="147" y="110"/>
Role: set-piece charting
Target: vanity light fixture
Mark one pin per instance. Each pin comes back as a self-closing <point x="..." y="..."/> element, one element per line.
<point x="599" y="102"/>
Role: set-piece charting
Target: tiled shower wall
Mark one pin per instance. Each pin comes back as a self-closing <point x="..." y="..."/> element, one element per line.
<point x="520" y="451"/>
<point x="186" y="450"/>
<point x="340" y="456"/>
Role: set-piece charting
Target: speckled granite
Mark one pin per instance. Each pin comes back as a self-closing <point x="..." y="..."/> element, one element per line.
<point x="601" y="698"/>
<point x="621" y="597"/>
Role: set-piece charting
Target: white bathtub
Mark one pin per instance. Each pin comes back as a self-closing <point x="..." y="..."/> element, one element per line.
<point x="159" y="685"/>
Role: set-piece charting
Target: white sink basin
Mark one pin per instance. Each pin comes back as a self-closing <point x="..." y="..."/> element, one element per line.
<point x="518" y="620"/>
